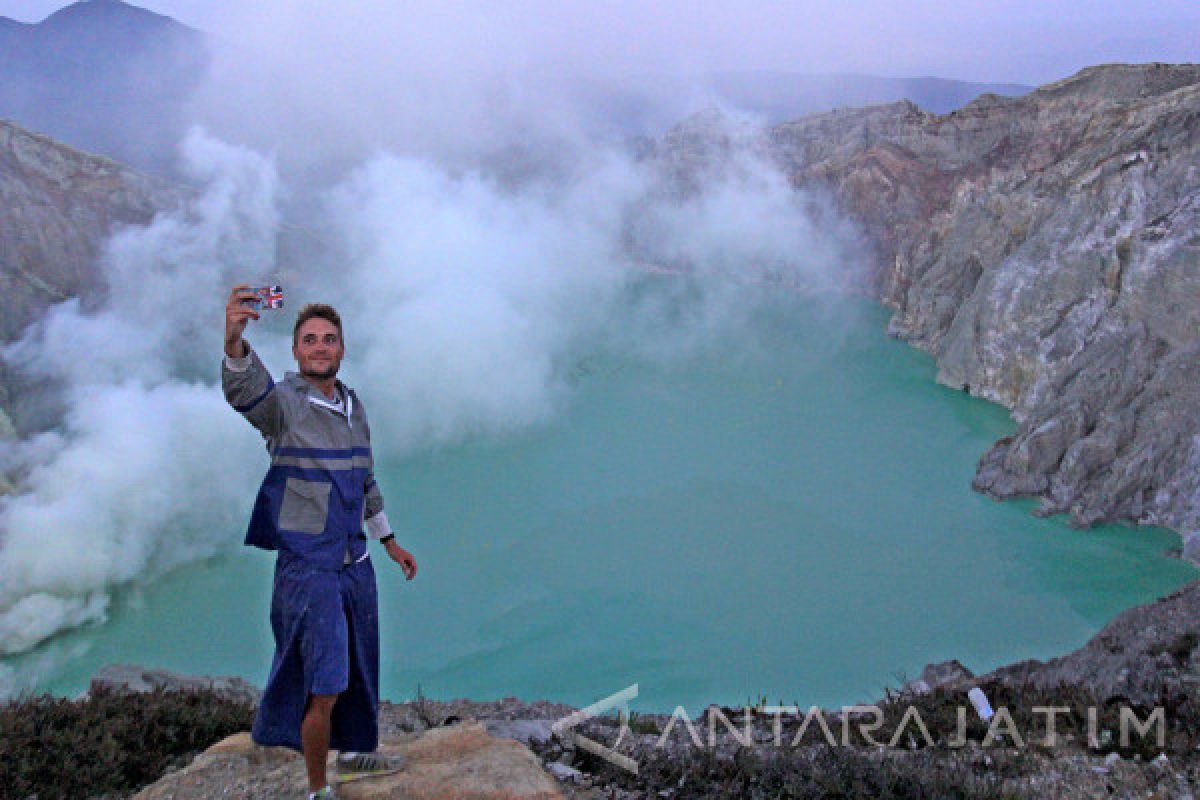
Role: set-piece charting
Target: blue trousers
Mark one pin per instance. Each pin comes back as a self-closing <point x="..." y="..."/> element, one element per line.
<point x="326" y="627"/>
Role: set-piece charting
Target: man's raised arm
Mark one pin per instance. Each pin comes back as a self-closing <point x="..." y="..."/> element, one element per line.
<point x="247" y="383"/>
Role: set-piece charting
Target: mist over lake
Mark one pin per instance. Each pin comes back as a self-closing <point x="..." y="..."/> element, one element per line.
<point x="785" y="515"/>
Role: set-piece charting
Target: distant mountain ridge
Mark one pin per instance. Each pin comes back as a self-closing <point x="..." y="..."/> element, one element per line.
<point x="103" y="76"/>
<point x="112" y="78"/>
<point x="653" y="102"/>
<point x="806" y="92"/>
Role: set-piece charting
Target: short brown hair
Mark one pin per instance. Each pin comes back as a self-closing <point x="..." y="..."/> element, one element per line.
<point x="317" y="310"/>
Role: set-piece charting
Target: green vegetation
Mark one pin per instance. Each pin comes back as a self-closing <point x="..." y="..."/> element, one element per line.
<point x="110" y="742"/>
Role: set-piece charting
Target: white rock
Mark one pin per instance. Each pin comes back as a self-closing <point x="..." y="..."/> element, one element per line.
<point x="564" y="773"/>
<point x="525" y="731"/>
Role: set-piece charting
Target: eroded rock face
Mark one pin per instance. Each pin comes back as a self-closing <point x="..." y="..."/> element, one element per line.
<point x="1044" y="249"/>
<point x="59" y="207"/>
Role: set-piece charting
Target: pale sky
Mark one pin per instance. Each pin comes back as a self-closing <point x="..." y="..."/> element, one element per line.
<point x="1025" y="41"/>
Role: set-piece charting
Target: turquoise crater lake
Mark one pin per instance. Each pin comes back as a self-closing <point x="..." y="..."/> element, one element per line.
<point x="794" y="523"/>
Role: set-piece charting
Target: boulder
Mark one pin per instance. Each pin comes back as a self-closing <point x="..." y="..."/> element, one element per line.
<point x="133" y="678"/>
<point x="526" y="731"/>
<point x="456" y="761"/>
<point x="939" y="675"/>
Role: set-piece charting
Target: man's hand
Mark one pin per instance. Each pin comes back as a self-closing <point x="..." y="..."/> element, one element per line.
<point x="403" y="558"/>
<point x="237" y="314"/>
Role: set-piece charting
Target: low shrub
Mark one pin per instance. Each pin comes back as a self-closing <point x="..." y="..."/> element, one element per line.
<point x="109" y="742"/>
<point x="830" y="773"/>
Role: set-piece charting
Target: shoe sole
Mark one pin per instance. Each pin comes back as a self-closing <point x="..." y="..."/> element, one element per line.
<point x="350" y="777"/>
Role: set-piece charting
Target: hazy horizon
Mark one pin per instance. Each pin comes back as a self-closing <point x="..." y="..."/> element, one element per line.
<point x="1016" y="42"/>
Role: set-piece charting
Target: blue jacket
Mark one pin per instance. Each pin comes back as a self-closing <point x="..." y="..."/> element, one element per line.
<point x="320" y="486"/>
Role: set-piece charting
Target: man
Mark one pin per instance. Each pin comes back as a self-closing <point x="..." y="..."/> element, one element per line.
<point x="319" y="492"/>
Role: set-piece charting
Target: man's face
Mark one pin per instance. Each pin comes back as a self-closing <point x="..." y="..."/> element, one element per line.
<point x="318" y="349"/>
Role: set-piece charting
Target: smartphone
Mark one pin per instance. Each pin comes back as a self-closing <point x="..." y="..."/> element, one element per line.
<point x="265" y="297"/>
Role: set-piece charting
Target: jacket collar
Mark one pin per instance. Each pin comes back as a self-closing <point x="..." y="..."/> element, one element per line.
<point x="316" y="397"/>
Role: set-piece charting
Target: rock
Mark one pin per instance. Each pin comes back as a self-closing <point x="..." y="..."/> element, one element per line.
<point x="1191" y="547"/>
<point x="564" y="773"/>
<point x="526" y="731"/>
<point x="133" y="678"/>
<point x="401" y="718"/>
<point x="456" y="761"/>
<point x="242" y="746"/>
<point x="939" y="675"/>
<point x="1142" y="653"/>
<point x="60" y="206"/>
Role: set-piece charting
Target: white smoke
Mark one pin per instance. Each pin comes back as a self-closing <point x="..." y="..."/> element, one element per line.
<point x="470" y="288"/>
<point x="139" y="478"/>
<point x="470" y="297"/>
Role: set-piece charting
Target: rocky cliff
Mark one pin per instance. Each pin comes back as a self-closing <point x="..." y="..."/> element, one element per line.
<point x="59" y="205"/>
<point x="1044" y="250"/>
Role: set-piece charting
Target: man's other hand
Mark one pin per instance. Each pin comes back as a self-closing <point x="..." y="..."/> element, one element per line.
<point x="403" y="558"/>
<point x="237" y="315"/>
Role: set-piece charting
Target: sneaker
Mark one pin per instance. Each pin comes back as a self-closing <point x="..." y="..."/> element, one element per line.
<point x="365" y="765"/>
<point x="324" y="794"/>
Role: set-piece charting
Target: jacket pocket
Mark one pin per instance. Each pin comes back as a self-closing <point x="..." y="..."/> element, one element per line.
<point x="305" y="506"/>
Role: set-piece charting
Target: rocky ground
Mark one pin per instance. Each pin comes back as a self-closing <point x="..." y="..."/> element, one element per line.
<point x="1145" y="659"/>
<point x="476" y="754"/>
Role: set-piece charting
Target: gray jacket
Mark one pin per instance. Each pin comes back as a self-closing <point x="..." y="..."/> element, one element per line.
<point x="320" y="487"/>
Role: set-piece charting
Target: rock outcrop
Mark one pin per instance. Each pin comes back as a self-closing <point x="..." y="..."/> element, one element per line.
<point x="133" y="678"/>
<point x="456" y="761"/>
<point x="511" y="749"/>
<point x="59" y="207"/>
<point x="1044" y="250"/>
<point x="1143" y="654"/>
